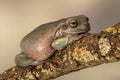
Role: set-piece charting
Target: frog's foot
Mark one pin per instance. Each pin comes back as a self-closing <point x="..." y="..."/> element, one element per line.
<point x="23" y="60"/>
<point x="76" y="37"/>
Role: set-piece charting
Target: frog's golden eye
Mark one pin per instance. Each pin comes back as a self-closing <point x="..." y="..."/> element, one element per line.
<point x="73" y="23"/>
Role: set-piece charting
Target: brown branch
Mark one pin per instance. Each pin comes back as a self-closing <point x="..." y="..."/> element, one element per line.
<point x="91" y="50"/>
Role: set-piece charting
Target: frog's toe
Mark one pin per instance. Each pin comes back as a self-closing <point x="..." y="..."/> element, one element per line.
<point x="36" y="62"/>
<point x="23" y="60"/>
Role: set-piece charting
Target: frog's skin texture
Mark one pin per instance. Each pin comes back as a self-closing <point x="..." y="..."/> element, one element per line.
<point x="43" y="41"/>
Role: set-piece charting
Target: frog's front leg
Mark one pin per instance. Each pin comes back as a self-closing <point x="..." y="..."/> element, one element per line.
<point x="75" y="37"/>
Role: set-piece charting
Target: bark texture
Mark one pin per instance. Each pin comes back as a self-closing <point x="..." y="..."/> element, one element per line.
<point x="91" y="50"/>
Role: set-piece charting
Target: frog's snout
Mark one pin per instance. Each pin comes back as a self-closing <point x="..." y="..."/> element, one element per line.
<point x="86" y="24"/>
<point x="85" y="27"/>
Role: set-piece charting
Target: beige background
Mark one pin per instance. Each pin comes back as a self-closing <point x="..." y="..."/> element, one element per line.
<point x="19" y="17"/>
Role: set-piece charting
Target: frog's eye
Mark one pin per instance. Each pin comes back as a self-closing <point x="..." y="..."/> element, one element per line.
<point x="73" y="23"/>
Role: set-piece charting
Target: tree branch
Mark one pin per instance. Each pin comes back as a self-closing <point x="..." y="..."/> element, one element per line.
<point x="91" y="50"/>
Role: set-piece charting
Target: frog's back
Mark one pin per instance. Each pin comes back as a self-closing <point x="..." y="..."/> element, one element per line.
<point x="39" y="35"/>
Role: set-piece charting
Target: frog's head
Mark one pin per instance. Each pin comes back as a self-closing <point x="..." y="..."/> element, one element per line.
<point x="76" y="25"/>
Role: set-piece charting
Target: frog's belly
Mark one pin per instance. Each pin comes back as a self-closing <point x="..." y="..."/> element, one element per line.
<point x="42" y="51"/>
<point x="42" y="54"/>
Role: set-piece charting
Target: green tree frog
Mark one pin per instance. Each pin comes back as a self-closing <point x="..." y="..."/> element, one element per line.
<point x="42" y="42"/>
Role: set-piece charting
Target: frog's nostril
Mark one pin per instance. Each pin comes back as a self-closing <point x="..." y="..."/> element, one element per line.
<point x="87" y="18"/>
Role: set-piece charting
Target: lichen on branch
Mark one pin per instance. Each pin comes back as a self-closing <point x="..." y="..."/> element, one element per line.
<point x="92" y="50"/>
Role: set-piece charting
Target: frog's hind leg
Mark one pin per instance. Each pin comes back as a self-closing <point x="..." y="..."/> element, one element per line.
<point x="23" y="60"/>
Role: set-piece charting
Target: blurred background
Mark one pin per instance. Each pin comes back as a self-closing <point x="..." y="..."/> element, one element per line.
<point x="19" y="17"/>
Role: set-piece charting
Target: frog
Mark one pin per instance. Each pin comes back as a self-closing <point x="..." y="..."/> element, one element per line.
<point x="40" y="44"/>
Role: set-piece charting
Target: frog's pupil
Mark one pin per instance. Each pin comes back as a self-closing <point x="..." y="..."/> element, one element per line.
<point x="73" y="23"/>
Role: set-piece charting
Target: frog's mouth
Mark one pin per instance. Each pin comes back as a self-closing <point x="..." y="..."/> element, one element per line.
<point x="75" y="32"/>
